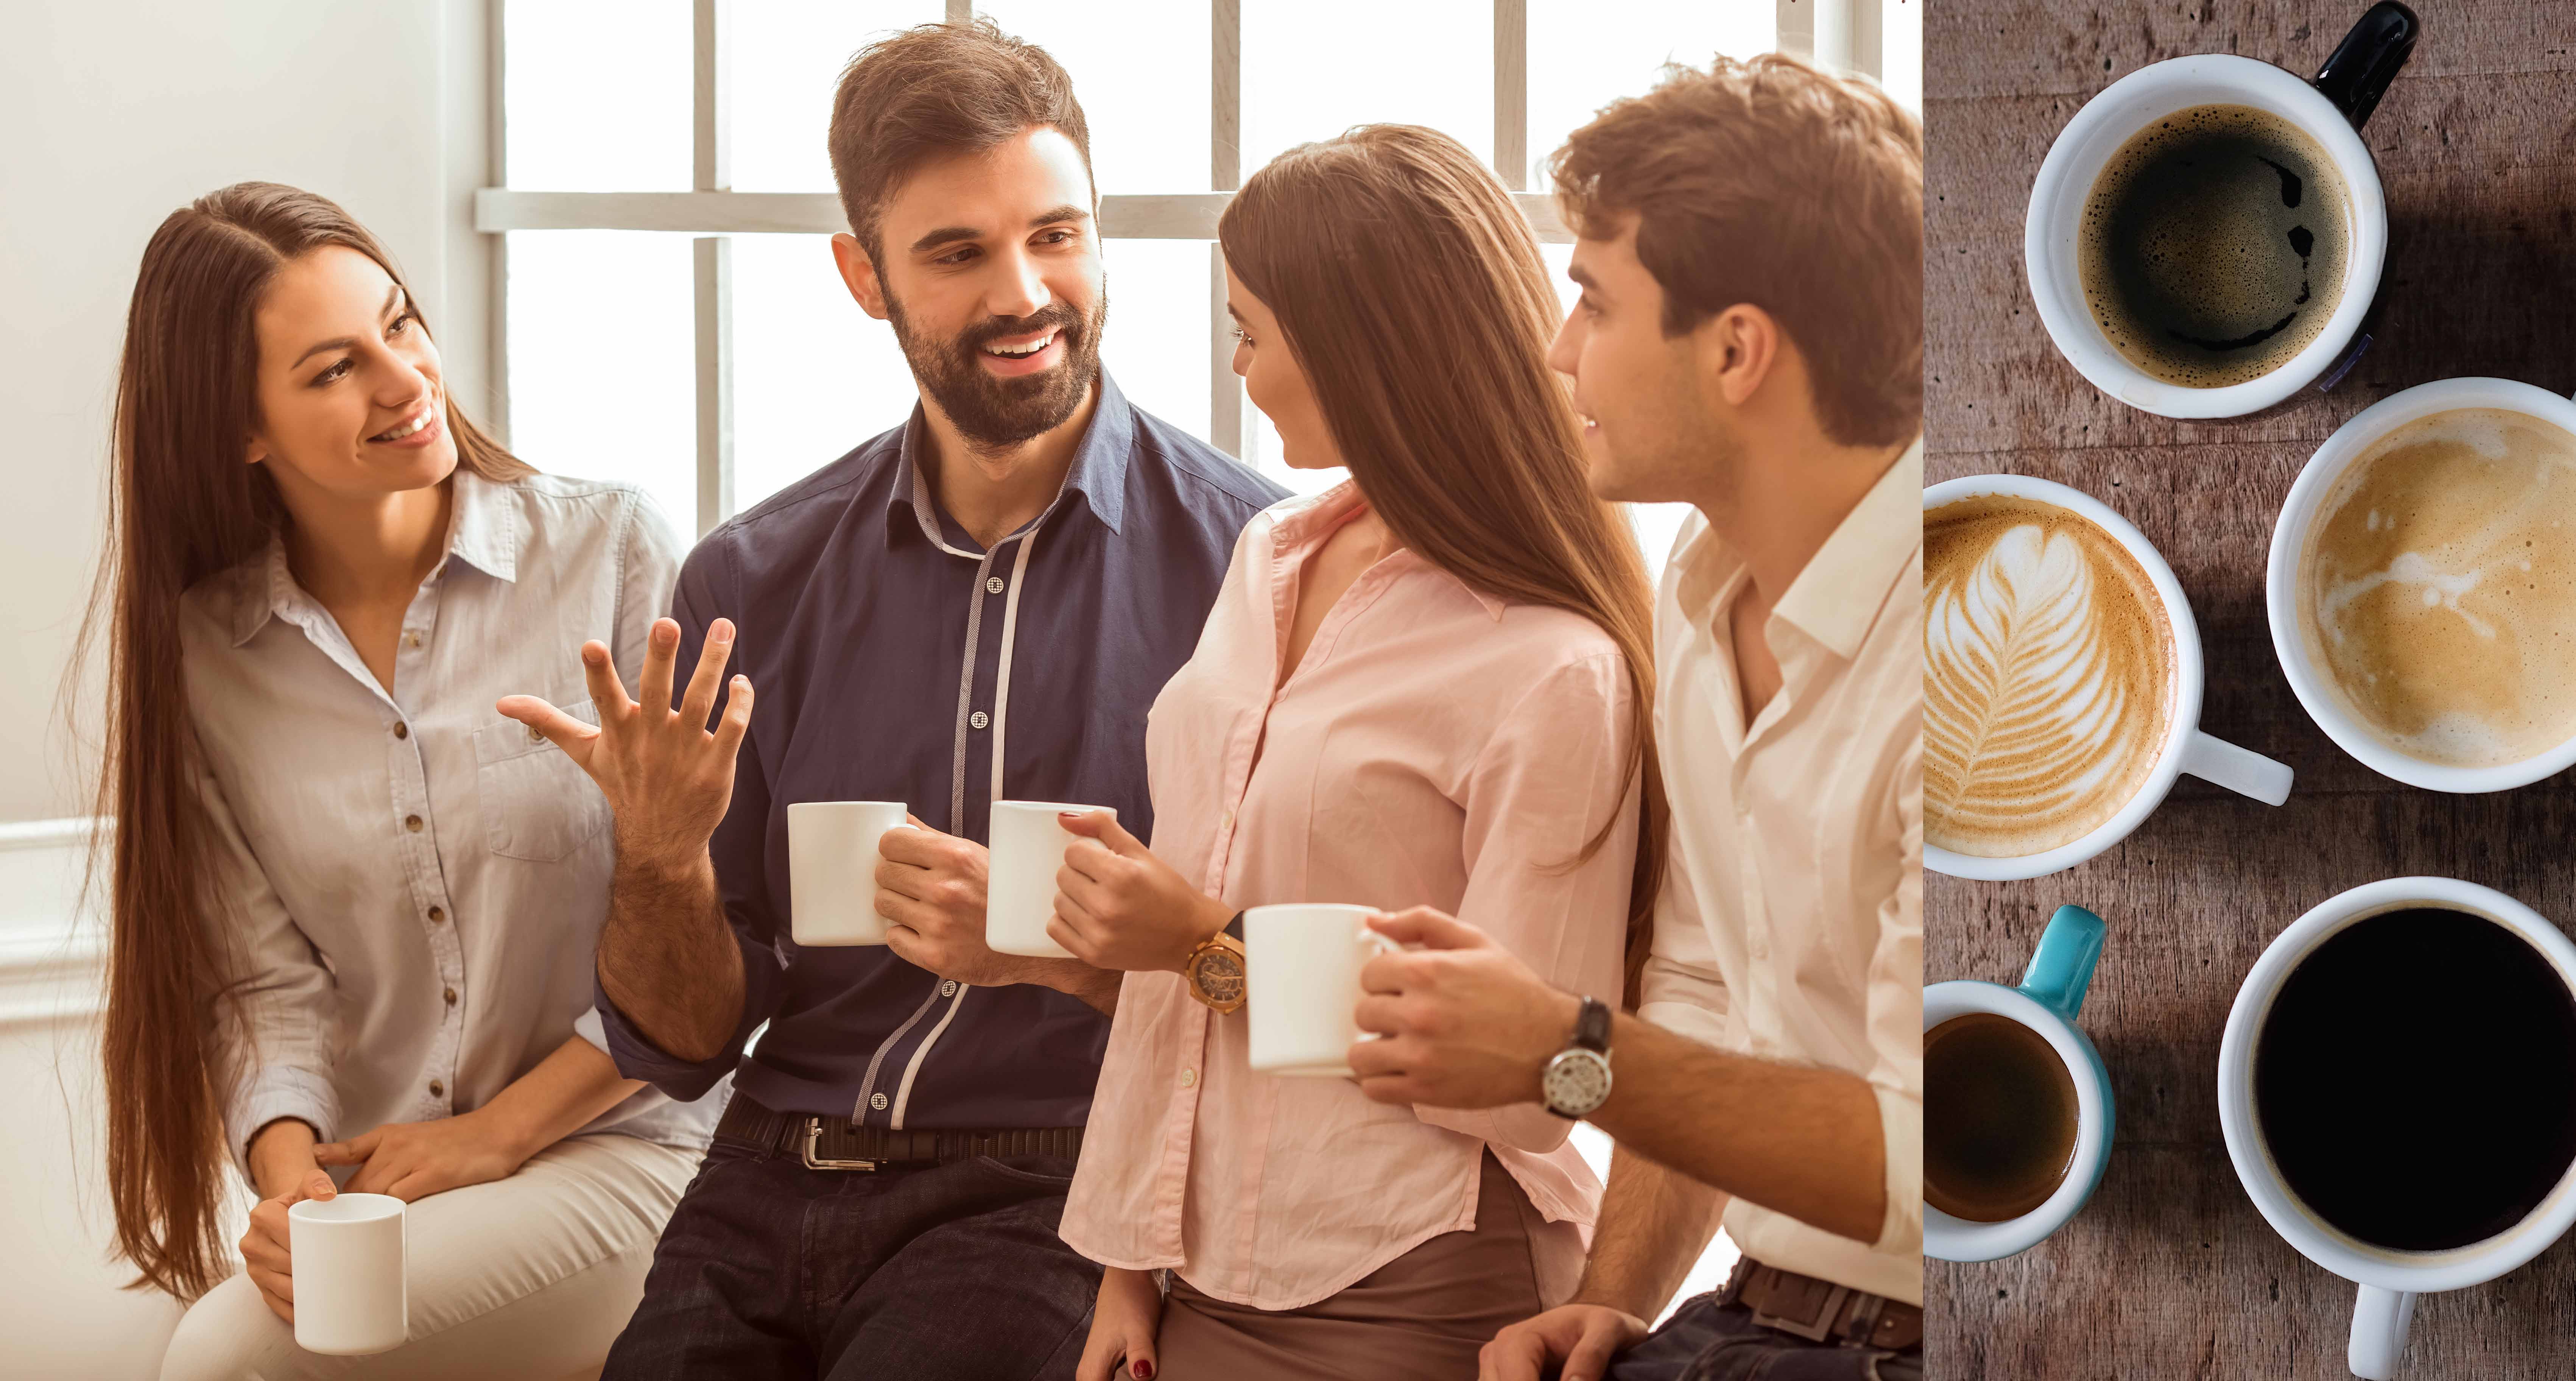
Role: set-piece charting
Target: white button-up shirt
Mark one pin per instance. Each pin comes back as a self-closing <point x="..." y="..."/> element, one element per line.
<point x="413" y="884"/>
<point x="1791" y="926"/>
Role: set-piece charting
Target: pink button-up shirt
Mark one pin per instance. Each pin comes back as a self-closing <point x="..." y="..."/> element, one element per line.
<point x="1436" y="746"/>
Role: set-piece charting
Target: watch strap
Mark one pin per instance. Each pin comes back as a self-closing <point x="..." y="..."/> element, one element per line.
<point x="1592" y="1026"/>
<point x="1235" y="927"/>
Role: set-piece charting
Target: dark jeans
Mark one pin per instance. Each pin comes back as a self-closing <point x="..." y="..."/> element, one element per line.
<point x="1707" y="1341"/>
<point x="930" y="1273"/>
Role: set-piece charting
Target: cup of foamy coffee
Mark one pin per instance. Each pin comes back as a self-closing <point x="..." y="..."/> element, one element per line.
<point x="2016" y="1102"/>
<point x="2205" y="237"/>
<point x="2061" y="681"/>
<point x="832" y="870"/>
<point x="2422" y="585"/>
<point x="2397" y="1085"/>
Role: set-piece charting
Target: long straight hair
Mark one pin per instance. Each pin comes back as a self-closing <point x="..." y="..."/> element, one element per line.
<point x="183" y="505"/>
<point x="1412" y="292"/>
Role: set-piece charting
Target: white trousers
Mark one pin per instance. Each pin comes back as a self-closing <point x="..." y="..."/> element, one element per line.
<point x="529" y="1278"/>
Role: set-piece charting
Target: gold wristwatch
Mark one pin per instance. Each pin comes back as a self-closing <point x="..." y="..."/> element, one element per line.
<point x="1215" y="968"/>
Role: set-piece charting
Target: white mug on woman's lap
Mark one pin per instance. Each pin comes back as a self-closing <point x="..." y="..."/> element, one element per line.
<point x="1028" y="844"/>
<point x="1302" y="965"/>
<point x="349" y="1261"/>
<point x="832" y="870"/>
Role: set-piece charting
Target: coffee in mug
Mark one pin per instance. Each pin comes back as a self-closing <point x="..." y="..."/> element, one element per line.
<point x="2415" y="1079"/>
<point x="2047" y="681"/>
<point x="2213" y="244"/>
<point x="1999" y="1118"/>
<point x="2438" y="587"/>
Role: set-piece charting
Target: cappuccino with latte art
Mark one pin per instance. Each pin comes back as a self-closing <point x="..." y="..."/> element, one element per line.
<point x="2047" y="678"/>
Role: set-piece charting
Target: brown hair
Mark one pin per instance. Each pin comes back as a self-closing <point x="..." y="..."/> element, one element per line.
<point x="1775" y="184"/>
<point x="1379" y="250"/>
<point x="934" y="90"/>
<point x="183" y="506"/>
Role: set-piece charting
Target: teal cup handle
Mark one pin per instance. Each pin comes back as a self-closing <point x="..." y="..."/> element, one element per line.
<point x="2062" y="967"/>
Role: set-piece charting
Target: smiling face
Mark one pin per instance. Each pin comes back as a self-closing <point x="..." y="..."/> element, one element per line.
<point x="989" y="270"/>
<point x="350" y="403"/>
<point x="1651" y="427"/>
<point x="1276" y="383"/>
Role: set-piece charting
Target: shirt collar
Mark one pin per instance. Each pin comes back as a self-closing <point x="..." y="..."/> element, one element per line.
<point x="1098" y="472"/>
<point x="1302" y="523"/>
<point x="482" y="530"/>
<point x="1837" y="596"/>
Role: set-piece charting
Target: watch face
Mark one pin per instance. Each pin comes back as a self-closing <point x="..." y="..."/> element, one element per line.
<point x="1219" y="975"/>
<point x="1576" y="1082"/>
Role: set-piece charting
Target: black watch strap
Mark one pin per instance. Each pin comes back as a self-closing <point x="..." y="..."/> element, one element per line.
<point x="1235" y="927"/>
<point x="1592" y="1026"/>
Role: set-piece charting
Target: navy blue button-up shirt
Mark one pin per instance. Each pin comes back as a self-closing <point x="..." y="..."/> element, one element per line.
<point x="896" y="660"/>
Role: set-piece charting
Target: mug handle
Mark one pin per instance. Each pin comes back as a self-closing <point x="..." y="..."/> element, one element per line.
<point x="2379" y="1321"/>
<point x="2062" y="967"/>
<point x="2240" y="770"/>
<point x="2367" y="60"/>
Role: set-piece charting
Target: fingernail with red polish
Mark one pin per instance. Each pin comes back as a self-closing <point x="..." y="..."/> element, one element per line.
<point x="1143" y="1370"/>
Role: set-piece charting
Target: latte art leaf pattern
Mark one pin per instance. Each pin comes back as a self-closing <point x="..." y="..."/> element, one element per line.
<point x="2040" y="714"/>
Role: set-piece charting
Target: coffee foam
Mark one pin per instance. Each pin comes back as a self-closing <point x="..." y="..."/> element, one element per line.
<point x="2047" y="678"/>
<point x="2438" y="590"/>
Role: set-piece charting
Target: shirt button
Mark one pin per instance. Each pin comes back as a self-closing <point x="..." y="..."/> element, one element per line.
<point x="437" y="1089"/>
<point x="1189" y="1078"/>
<point x="979" y="719"/>
<point x="437" y="914"/>
<point x="451" y="997"/>
<point x="411" y="640"/>
<point x="412" y="823"/>
<point x="877" y="1101"/>
<point x="993" y="585"/>
<point x="402" y="731"/>
<point x="948" y="989"/>
<point x="534" y="736"/>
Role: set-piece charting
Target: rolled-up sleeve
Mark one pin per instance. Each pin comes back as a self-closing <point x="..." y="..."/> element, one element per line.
<point x="1544" y="785"/>
<point x="737" y="851"/>
<point x="1682" y="990"/>
<point x="1896" y="1024"/>
<point x="276" y="1057"/>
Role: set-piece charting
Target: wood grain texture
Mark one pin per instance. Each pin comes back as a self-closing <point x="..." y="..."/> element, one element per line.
<point x="2169" y="1272"/>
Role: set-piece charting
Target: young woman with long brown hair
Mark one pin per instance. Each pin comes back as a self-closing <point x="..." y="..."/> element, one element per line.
<point x="353" y="906"/>
<point x="1429" y="686"/>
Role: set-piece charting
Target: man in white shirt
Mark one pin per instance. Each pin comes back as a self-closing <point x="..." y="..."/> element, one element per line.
<point x="1749" y="341"/>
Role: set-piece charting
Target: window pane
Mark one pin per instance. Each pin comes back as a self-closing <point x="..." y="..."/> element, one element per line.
<point x="787" y="58"/>
<point x="602" y="360"/>
<point x="1584" y="54"/>
<point x="1142" y="81"/>
<point x="1313" y="68"/>
<point x="598" y="95"/>
<point x="1156" y="344"/>
<point x="813" y="376"/>
<point x="1901" y="52"/>
<point x="1656" y="523"/>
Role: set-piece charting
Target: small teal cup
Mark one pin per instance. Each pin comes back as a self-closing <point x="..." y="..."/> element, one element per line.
<point x="2050" y="995"/>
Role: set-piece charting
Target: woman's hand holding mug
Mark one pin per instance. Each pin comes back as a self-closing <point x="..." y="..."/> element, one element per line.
<point x="283" y="1166"/>
<point x="1117" y="906"/>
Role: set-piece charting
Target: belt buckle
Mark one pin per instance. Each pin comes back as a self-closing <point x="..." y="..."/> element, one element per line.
<point x="813" y="1130"/>
<point x="1820" y="1328"/>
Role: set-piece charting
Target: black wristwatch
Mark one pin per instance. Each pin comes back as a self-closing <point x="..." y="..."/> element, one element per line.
<point x="1576" y="1081"/>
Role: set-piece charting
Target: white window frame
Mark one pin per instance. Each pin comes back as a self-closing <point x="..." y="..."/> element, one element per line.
<point x="1844" y="34"/>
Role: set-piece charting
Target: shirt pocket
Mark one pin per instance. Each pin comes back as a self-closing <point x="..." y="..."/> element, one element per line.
<point x="538" y="805"/>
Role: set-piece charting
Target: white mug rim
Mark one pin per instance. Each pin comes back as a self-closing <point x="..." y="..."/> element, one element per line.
<point x="2078" y="154"/>
<point x="1950" y="1238"/>
<point x="2189" y="679"/>
<point x="345" y="1208"/>
<point x="2309" y="1235"/>
<point x="2300" y="512"/>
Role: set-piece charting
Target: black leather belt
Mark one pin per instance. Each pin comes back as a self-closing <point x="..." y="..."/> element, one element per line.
<point x="831" y="1143"/>
<point x="1819" y="1310"/>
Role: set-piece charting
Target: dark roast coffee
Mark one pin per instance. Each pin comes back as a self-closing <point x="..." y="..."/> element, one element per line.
<point x="2213" y="245"/>
<point x="1999" y="1118"/>
<point x="2416" y="1079"/>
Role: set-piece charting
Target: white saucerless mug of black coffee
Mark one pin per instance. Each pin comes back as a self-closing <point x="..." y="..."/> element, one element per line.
<point x="2205" y="237"/>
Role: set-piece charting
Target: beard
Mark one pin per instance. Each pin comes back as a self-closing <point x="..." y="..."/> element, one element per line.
<point x="996" y="414"/>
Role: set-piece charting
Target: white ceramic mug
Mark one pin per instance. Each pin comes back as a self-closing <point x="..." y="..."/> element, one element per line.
<point x="1028" y="844"/>
<point x="2300" y="514"/>
<point x="2186" y="748"/>
<point x="349" y="1261"/>
<point x="2050" y="995"/>
<point x="832" y="870"/>
<point x="2329" y="111"/>
<point x="2389" y="1280"/>
<point x="1302" y="965"/>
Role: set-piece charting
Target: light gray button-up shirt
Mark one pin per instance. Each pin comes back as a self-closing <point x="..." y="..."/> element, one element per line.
<point x="415" y="884"/>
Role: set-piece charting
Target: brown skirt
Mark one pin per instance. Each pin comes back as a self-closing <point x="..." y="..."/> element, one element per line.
<point x="1424" y="1314"/>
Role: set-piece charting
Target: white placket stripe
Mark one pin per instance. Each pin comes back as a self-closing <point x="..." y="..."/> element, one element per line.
<point x="1002" y="675"/>
<point x="965" y="699"/>
<point x="912" y="1070"/>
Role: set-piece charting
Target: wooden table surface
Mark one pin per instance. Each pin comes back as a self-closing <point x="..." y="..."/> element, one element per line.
<point x="2169" y="1271"/>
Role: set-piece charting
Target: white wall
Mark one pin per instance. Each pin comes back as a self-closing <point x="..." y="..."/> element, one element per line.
<point x="115" y="114"/>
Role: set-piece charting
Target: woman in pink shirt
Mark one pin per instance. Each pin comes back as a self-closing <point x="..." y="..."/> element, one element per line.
<point x="1428" y="686"/>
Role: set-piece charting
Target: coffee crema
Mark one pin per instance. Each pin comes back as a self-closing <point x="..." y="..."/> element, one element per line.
<point x="2213" y="244"/>
<point x="2438" y="588"/>
<point x="2047" y="676"/>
